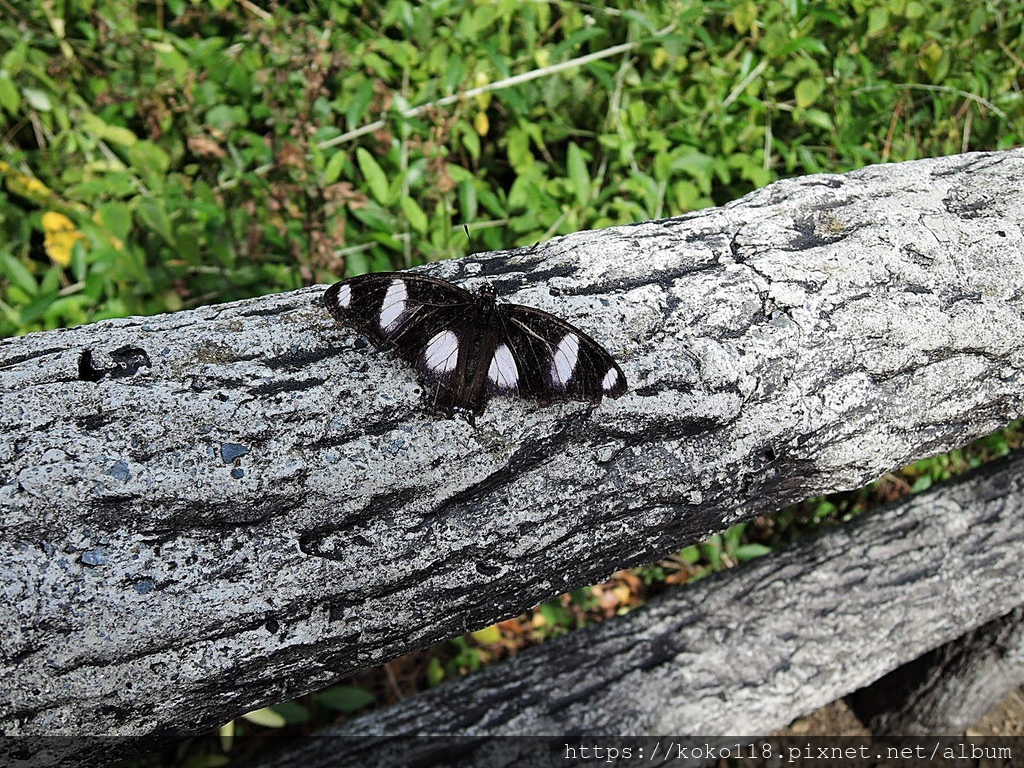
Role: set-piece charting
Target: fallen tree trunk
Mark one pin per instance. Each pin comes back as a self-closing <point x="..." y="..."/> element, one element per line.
<point x="214" y="510"/>
<point x="743" y="652"/>
<point x="950" y="688"/>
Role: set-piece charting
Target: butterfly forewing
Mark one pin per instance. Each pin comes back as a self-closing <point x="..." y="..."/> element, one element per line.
<point x="399" y="309"/>
<point x="429" y="323"/>
<point x="422" y="318"/>
<point x="468" y="347"/>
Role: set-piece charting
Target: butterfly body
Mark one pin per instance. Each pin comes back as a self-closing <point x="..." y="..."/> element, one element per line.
<point x="469" y="346"/>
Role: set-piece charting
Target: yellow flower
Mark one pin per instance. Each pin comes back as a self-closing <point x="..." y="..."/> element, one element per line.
<point x="60" y="236"/>
<point x="25" y="186"/>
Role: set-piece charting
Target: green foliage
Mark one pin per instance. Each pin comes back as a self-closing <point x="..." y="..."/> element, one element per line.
<point x="279" y="715"/>
<point x="720" y="551"/>
<point x="557" y="620"/>
<point x="292" y="712"/>
<point x="464" y="658"/>
<point x="794" y="522"/>
<point x="435" y="672"/>
<point x="200" y="150"/>
<point x="344" y="698"/>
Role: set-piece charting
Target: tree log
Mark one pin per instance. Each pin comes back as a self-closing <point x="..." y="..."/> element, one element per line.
<point x="744" y="652"/>
<point x="210" y="511"/>
<point x="948" y="689"/>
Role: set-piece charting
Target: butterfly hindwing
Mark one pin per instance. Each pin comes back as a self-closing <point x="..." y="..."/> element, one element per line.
<point x="467" y="347"/>
<point x="556" y="360"/>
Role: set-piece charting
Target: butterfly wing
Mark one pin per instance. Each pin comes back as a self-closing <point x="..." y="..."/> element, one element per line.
<point x="429" y="323"/>
<point x="468" y="348"/>
<point x="549" y="359"/>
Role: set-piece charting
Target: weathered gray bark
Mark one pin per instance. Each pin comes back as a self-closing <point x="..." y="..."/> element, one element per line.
<point x="742" y="653"/>
<point x="213" y="510"/>
<point x="947" y="689"/>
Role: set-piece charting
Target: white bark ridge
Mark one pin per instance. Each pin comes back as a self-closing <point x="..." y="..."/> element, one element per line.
<point x="209" y="511"/>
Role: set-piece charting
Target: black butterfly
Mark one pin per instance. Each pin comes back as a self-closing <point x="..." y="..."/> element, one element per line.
<point x="468" y="347"/>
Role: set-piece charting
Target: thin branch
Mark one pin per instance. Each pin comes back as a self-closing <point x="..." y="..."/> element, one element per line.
<point x="943" y="88"/>
<point x="255" y="10"/>
<point x="754" y="74"/>
<point x="508" y="82"/>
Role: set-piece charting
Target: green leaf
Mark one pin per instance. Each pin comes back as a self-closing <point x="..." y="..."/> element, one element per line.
<point x="579" y="177"/>
<point x="373" y="174"/>
<point x="377" y="218"/>
<point x="467" y="200"/>
<point x="518" y="149"/>
<point x="345" y="698"/>
<point x="292" y="712"/>
<point x="67" y="310"/>
<point x="690" y="554"/>
<point x="492" y="203"/>
<point x="225" y="117"/>
<point x="744" y="16"/>
<point x="556" y="615"/>
<point x="151" y="213"/>
<point x="356" y="111"/>
<point x="51" y="280"/>
<point x="687" y="195"/>
<point x="18" y="274"/>
<point x="332" y="172"/>
<point x="801" y="44"/>
<point x="915" y="10"/>
<point x="825" y="508"/>
<point x="471" y="141"/>
<point x="266" y="717"/>
<point x="488" y="635"/>
<point x="171" y="60"/>
<point x="751" y="551"/>
<point x="111" y="133"/>
<point x="733" y="535"/>
<point x="115" y="218"/>
<point x="36" y="308"/>
<point x="79" y="262"/>
<point x="10" y="99"/>
<point x="435" y="672"/>
<point x="712" y="550"/>
<point x="807" y="92"/>
<point x="878" y="21"/>
<point x="415" y="215"/>
<point x="819" y="118"/>
<point x="37" y="99"/>
<point x="357" y="264"/>
<point x="922" y="483"/>
<point x="150" y="161"/>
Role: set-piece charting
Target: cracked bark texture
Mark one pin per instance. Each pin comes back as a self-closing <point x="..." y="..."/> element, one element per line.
<point x="214" y="510"/>
<point x="743" y="652"/>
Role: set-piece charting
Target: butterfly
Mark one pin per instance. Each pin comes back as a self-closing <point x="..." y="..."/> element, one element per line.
<point x="467" y="346"/>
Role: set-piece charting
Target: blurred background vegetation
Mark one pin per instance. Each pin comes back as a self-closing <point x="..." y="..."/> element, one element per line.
<point x="161" y="155"/>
